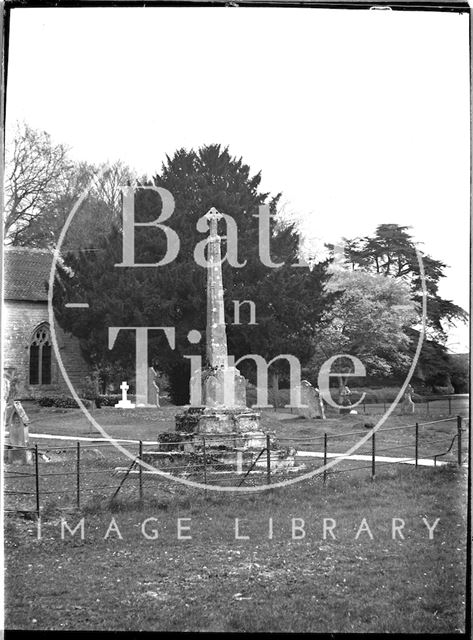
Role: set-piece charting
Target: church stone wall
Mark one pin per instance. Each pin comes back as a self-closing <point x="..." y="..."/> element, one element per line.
<point x="21" y="319"/>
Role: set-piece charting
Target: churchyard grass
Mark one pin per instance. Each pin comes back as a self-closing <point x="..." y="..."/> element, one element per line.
<point x="215" y="582"/>
<point x="343" y="430"/>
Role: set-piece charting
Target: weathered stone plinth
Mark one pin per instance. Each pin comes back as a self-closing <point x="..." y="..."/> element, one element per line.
<point x="222" y="386"/>
<point x="222" y="426"/>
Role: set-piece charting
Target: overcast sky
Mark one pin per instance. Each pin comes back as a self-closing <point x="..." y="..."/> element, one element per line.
<point x="358" y="117"/>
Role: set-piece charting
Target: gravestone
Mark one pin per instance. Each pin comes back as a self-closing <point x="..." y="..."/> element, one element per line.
<point x="124" y="403"/>
<point x="344" y="399"/>
<point x="408" y="407"/>
<point x="311" y="397"/>
<point x="153" y="389"/>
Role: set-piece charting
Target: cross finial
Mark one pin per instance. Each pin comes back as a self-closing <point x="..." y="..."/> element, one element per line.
<point x="213" y="216"/>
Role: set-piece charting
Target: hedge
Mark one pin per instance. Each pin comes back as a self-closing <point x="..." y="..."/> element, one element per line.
<point x="64" y="402"/>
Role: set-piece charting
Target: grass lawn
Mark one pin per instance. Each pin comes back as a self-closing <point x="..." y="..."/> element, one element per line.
<point x="215" y="582"/>
<point x="343" y="430"/>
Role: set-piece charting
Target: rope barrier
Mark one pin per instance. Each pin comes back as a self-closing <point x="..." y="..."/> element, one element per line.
<point x="23" y="493"/>
<point x="218" y="463"/>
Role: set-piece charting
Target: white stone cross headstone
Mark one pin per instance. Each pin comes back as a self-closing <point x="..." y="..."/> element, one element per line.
<point x="124" y="402"/>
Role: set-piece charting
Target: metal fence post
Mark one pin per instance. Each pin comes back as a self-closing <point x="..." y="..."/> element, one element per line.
<point x="268" y="460"/>
<point x="373" y="456"/>
<point x="428" y="405"/>
<point x="37" y="477"/>
<point x="78" y="476"/>
<point x="325" y="457"/>
<point x="417" y="442"/>
<point x="459" y="432"/>
<point x="205" y="461"/>
<point x="140" y="470"/>
<point x="449" y="406"/>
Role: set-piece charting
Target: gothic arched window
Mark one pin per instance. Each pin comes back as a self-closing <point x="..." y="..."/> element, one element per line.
<point x="40" y="356"/>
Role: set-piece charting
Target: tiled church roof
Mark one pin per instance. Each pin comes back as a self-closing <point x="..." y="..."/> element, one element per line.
<point x="26" y="273"/>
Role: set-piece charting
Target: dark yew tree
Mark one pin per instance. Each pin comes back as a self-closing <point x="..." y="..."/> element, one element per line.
<point x="289" y="300"/>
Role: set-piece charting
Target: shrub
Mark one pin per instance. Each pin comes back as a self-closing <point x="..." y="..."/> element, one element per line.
<point x="108" y="400"/>
<point x="61" y="402"/>
<point x="169" y="440"/>
<point x="64" y="402"/>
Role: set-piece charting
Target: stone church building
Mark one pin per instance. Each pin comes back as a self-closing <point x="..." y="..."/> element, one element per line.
<point x="27" y="345"/>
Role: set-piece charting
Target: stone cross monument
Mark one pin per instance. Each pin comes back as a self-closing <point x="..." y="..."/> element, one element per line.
<point x="223" y="389"/>
<point x="216" y="335"/>
<point x="221" y="385"/>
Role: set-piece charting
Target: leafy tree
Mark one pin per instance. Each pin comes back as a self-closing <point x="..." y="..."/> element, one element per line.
<point x="460" y="372"/>
<point x="434" y="366"/>
<point x="392" y="252"/>
<point x="368" y="320"/>
<point x="288" y="299"/>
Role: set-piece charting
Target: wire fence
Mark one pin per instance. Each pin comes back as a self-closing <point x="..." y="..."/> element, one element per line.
<point x="85" y="474"/>
<point x="424" y="405"/>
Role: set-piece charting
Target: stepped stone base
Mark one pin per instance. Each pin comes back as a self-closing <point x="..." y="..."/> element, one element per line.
<point x="222" y="426"/>
<point x="221" y="420"/>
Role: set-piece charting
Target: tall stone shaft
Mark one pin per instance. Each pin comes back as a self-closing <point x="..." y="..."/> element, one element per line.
<point x="216" y="336"/>
<point x="218" y="391"/>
